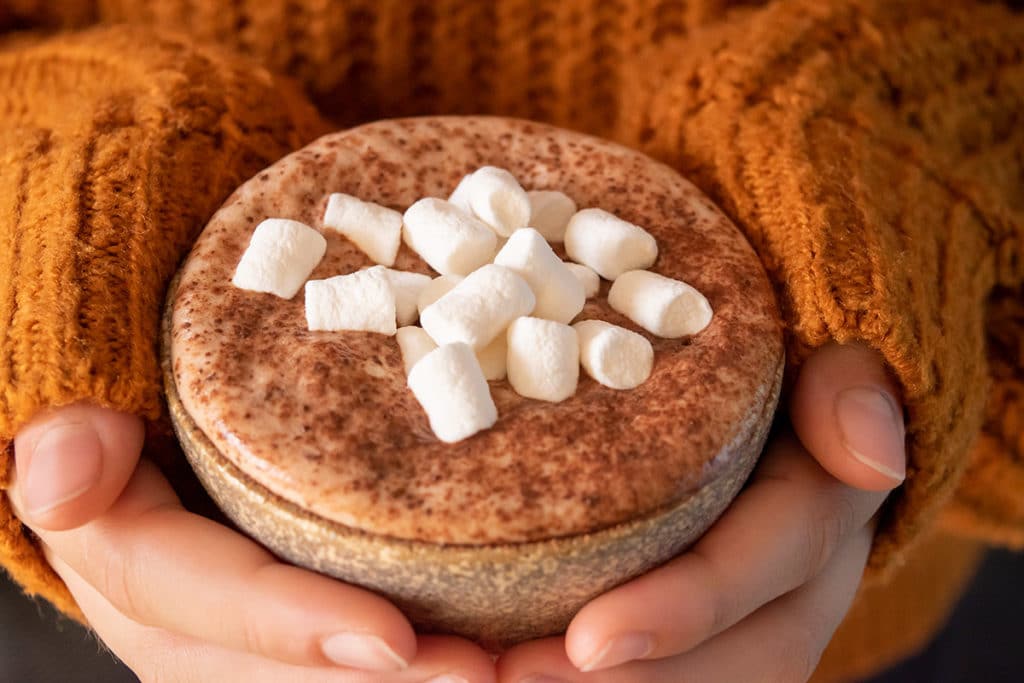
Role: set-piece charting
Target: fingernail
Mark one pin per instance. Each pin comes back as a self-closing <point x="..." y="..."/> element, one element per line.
<point x="448" y="678"/>
<point x="542" y="678"/>
<point x="619" y="650"/>
<point x="872" y="430"/>
<point x="66" y="462"/>
<point x="362" y="651"/>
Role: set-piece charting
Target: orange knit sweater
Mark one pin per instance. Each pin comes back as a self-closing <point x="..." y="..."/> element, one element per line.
<point x="873" y="153"/>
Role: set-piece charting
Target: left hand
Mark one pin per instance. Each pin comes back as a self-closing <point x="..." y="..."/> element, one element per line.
<point x="179" y="597"/>
<point x="760" y="595"/>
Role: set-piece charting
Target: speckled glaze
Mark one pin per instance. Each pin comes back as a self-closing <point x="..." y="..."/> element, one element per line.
<point x="312" y="443"/>
<point x="497" y="594"/>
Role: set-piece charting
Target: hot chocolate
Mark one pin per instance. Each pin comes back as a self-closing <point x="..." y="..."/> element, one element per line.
<point x="325" y="421"/>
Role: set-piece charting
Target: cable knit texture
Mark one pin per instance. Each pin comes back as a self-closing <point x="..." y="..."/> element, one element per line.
<point x="872" y="151"/>
<point x="108" y="168"/>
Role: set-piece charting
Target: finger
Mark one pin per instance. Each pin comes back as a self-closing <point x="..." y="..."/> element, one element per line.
<point x="73" y="462"/>
<point x="162" y="566"/>
<point x="776" y="536"/>
<point x="782" y="642"/>
<point x="155" y="654"/>
<point x="845" y="409"/>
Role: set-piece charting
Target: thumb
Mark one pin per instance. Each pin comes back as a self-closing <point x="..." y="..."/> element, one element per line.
<point x="72" y="464"/>
<point x="846" y="410"/>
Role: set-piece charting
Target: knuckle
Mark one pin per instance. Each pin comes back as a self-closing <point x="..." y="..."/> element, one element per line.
<point x="253" y="636"/>
<point x="119" y="583"/>
<point x="815" y="551"/>
<point x="252" y="627"/>
<point x="717" y="605"/>
<point x="721" y="613"/>
<point x="825" y="532"/>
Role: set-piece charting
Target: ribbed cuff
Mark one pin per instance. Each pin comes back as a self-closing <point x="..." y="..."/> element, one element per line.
<point x="117" y="145"/>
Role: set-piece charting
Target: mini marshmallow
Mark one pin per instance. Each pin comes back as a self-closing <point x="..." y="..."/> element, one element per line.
<point x="450" y="386"/>
<point x="407" y="288"/>
<point x="414" y="343"/>
<point x="543" y="359"/>
<point x="560" y="296"/>
<point x="363" y="301"/>
<point x="375" y="229"/>
<point x="450" y="240"/>
<point x="478" y="308"/>
<point x="550" y="212"/>
<point x="608" y="244"/>
<point x="280" y="257"/>
<point x="498" y="199"/>
<point x="614" y="356"/>
<point x="493" y="358"/>
<point x="590" y="280"/>
<point x="662" y="306"/>
<point x="435" y="289"/>
<point x="460" y="195"/>
<point x="502" y="241"/>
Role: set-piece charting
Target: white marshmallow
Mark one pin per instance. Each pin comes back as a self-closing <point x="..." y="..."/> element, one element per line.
<point x="608" y="244"/>
<point x="435" y="289"/>
<point x="662" y="306"/>
<point x="493" y="358"/>
<point x="543" y="359"/>
<point x="375" y="229"/>
<point x="414" y="343"/>
<point x="479" y="308"/>
<point x="614" y="356"/>
<point x="363" y="301"/>
<point x="407" y="288"/>
<point x="460" y="195"/>
<point x="560" y="296"/>
<point x="550" y="212"/>
<point x="502" y="241"/>
<point x="450" y="240"/>
<point x="498" y="199"/>
<point x="590" y="280"/>
<point x="450" y="386"/>
<point x="280" y="257"/>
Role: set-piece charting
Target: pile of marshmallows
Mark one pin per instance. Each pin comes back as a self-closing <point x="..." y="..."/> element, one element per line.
<point x="503" y="301"/>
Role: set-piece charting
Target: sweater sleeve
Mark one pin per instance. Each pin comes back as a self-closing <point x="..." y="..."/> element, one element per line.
<point x="361" y="60"/>
<point x="990" y="501"/>
<point x="871" y="151"/>
<point x="102" y="139"/>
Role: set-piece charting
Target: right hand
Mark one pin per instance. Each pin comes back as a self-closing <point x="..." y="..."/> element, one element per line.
<point x="179" y="597"/>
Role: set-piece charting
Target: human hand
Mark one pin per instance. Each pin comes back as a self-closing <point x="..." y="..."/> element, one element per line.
<point x="181" y="598"/>
<point x="760" y="595"/>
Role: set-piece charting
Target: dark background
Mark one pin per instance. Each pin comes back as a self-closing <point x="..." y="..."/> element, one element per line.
<point x="983" y="643"/>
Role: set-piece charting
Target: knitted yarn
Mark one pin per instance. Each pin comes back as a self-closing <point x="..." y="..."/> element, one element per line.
<point x="109" y="166"/>
<point x="872" y="151"/>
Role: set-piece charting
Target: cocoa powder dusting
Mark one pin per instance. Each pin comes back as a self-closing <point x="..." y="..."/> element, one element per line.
<point x="325" y="420"/>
